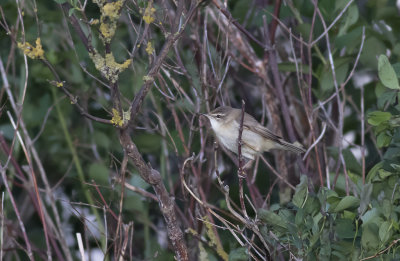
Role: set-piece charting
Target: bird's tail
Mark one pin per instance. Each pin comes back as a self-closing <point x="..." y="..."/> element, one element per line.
<point x="295" y="147"/>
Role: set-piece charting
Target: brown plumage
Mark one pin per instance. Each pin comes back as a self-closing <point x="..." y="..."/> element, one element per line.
<point x="225" y="122"/>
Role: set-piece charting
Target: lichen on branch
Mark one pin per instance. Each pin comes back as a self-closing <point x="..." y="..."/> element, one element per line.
<point x="31" y="51"/>
<point x="148" y="16"/>
<point x="107" y="65"/>
<point x="110" y="13"/>
<point x="149" y="48"/>
<point x="119" y="121"/>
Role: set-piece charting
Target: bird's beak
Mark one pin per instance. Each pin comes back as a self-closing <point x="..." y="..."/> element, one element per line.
<point x="205" y="115"/>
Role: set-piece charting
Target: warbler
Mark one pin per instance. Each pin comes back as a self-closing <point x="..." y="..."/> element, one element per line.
<point x="256" y="139"/>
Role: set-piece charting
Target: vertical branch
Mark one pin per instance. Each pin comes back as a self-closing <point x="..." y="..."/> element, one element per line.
<point x="119" y="234"/>
<point x="308" y="107"/>
<point x="339" y="101"/>
<point x="274" y="22"/>
<point x="362" y="134"/>
<point x="241" y="173"/>
<point x="167" y="204"/>
<point x="21" y="223"/>
<point x="279" y="89"/>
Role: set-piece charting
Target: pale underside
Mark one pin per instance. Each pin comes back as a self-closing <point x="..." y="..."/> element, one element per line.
<point x="255" y="143"/>
<point x="255" y="138"/>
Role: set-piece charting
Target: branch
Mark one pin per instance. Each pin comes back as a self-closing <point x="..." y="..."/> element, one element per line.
<point x="138" y="101"/>
<point x="241" y="173"/>
<point x="167" y="205"/>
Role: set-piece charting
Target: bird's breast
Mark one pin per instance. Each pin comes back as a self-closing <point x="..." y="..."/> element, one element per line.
<point x="251" y="142"/>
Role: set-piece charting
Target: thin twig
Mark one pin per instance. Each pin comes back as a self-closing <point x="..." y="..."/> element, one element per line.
<point x="326" y="29"/>
<point x="317" y="141"/>
<point x="20" y="222"/>
<point x="383" y="251"/>
<point x="338" y="99"/>
<point x="80" y="245"/>
<point x="276" y="173"/>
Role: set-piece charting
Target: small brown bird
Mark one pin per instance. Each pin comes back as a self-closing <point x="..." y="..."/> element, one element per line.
<point x="225" y="122"/>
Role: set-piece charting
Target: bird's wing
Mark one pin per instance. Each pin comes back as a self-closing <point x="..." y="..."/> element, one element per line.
<point x="255" y="126"/>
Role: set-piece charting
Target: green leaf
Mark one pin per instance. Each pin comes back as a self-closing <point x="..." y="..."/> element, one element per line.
<point x="333" y="202"/>
<point x="312" y="206"/>
<point x="387" y="208"/>
<point x="373" y="46"/>
<point x="71" y="11"/>
<point x="137" y="181"/>
<point x="301" y="192"/>
<point x="350" y="40"/>
<point x="99" y="173"/>
<point x="384" y="231"/>
<point x="383" y="174"/>
<point x="270" y="218"/>
<point x="386" y="73"/>
<point x="365" y="196"/>
<point x="351" y="161"/>
<point x="341" y="69"/>
<point x="60" y="1"/>
<point x="374" y="171"/>
<point x="101" y="139"/>
<point x="383" y="140"/>
<point x="371" y="216"/>
<point x="369" y="238"/>
<point x="375" y="118"/>
<point x="346" y="203"/>
<point x="299" y="219"/>
<point x="135" y="202"/>
<point x="291" y="67"/>
<point x="351" y="18"/>
<point x="344" y="228"/>
<point x="396" y="68"/>
<point x="239" y="254"/>
<point x="240" y="10"/>
<point x="394" y="122"/>
<point x="387" y="97"/>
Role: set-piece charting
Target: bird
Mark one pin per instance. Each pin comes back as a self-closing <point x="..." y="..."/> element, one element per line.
<point x="256" y="139"/>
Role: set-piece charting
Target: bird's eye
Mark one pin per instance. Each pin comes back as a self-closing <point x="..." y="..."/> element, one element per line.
<point x="218" y="116"/>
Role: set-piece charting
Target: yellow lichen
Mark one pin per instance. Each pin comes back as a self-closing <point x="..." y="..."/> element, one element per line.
<point x="112" y="10"/>
<point x="108" y="67"/>
<point x="32" y="52"/>
<point x="94" y="21"/>
<point x="148" y="78"/>
<point x="107" y="31"/>
<point x="203" y="256"/>
<point x="214" y="242"/>
<point x="149" y="48"/>
<point x="116" y="118"/>
<point x="119" y="121"/>
<point x="148" y="16"/>
<point x="110" y="13"/>
<point x="59" y="84"/>
<point x="100" y="2"/>
<point x="191" y="231"/>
